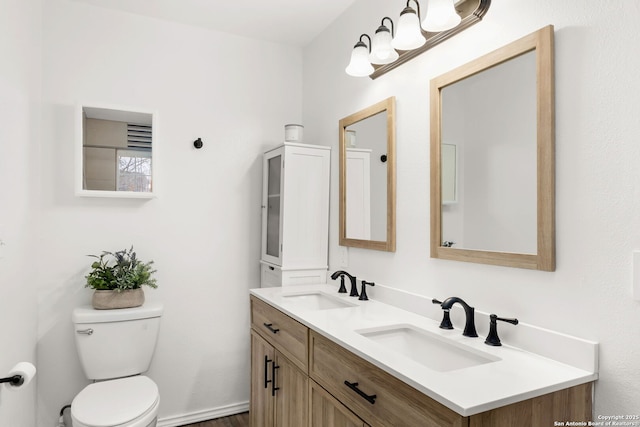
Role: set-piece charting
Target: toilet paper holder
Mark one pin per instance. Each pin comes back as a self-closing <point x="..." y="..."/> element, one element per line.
<point x="16" y="380"/>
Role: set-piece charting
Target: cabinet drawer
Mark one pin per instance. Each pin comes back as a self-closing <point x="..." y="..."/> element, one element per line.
<point x="395" y="404"/>
<point x="270" y="276"/>
<point x="285" y="334"/>
<point x="304" y="277"/>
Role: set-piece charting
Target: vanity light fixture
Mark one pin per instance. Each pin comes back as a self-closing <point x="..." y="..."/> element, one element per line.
<point x="409" y="35"/>
<point x="442" y="20"/>
<point x="359" y="66"/>
<point x="441" y="16"/>
<point x="381" y="50"/>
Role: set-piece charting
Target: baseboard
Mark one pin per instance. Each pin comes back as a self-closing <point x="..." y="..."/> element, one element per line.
<point x="199" y="416"/>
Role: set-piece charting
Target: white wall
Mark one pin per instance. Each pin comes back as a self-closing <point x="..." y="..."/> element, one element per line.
<point x="20" y="70"/>
<point x="203" y="229"/>
<point x="598" y="195"/>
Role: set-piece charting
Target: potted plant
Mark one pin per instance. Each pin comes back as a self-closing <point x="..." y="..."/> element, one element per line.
<point x="117" y="279"/>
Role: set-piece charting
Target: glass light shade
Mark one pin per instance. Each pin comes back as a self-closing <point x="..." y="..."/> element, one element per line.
<point x="440" y="16"/>
<point x="359" y="66"/>
<point x="382" y="52"/>
<point x="408" y="35"/>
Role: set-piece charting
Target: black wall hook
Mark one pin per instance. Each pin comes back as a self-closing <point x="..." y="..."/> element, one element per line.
<point x="198" y="143"/>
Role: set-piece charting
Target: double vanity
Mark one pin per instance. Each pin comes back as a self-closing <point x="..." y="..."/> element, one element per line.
<point x="322" y="358"/>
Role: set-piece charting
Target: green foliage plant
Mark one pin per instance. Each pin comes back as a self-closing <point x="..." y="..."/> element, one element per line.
<point x="119" y="271"/>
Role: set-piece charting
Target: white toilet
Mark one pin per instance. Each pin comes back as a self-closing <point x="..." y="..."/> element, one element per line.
<point x="115" y="347"/>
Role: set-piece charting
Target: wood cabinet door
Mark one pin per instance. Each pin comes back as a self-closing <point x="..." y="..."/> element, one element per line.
<point x="291" y="393"/>
<point x="262" y="402"/>
<point x="325" y="410"/>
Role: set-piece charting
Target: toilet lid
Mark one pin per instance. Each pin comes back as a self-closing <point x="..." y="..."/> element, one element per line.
<point x="114" y="402"/>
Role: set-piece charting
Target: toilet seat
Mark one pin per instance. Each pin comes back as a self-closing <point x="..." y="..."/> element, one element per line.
<point x="131" y="402"/>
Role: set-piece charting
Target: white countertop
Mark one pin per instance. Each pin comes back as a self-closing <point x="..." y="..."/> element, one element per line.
<point x="516" y="375"/>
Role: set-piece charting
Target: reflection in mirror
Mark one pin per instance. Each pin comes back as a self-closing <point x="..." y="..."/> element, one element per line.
<point x="116" y="158"/>
<point x="492" y="158"/>
<point x="367" y="178"/>
<point x="491" y="119"/>
<point x="449" y="174"/>
<point x="367" y="211"/>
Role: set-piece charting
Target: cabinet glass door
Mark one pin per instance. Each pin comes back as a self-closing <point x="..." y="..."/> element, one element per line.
<point x="274" y="175"/>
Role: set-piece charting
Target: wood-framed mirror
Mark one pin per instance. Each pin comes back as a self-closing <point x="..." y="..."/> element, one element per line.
<point x="497" y="112"/>
<point x="116" y="151"/>
<point x="368" y="178"/>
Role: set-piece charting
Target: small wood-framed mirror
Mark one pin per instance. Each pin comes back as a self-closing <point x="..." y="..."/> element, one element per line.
<point x="116" y="148"/>
<point x="368" y="178"/>
<point x="498" y="113"/>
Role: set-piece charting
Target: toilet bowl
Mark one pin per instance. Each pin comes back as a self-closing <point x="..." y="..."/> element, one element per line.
<point x="124" y="402"/>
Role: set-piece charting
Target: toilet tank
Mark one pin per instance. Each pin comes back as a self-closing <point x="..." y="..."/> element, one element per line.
<point x="116" y="343"/>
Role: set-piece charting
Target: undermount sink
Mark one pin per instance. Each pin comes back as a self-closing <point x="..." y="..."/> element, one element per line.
<point x="429" y="349"/>
<point x="317" y="301"/>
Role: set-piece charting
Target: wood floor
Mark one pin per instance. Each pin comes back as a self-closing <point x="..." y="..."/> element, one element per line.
<point x="239" y="420"/>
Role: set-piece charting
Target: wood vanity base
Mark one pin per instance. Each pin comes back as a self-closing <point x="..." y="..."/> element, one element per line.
<point x="570" y="404"/>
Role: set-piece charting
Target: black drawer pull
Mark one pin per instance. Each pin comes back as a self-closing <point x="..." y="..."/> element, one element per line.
<point x="266" y="364"/>
<point x="273" y="379"/>
<point x="270" y="327"/>
<point x="354" y="386"/>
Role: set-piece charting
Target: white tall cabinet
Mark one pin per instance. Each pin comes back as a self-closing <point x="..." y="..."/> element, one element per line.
<point x="295" y="214"/>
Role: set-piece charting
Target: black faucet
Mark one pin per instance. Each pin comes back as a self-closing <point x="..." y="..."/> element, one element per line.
<point x="492" y="338"/>
<point x="470" y="325"/>
<point x="363" y="292"/>
<point x="341" y="274"/>
<point x="446" y="320"/>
